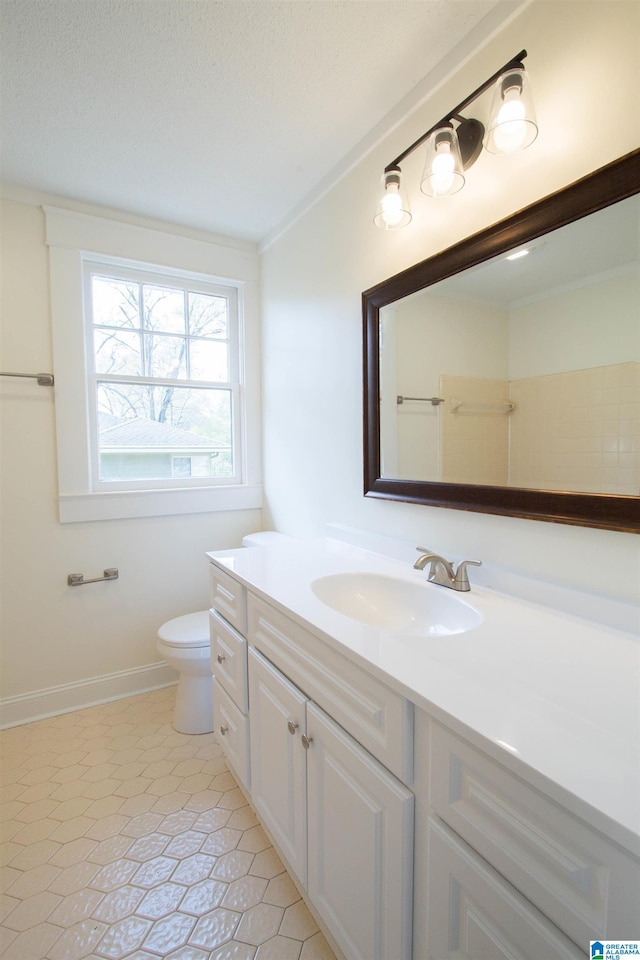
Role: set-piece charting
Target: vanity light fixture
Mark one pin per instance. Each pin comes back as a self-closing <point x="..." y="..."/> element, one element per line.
<point x="518" y="254"/>
<point x="393" y="206"/>
<point x="443" y="169"/>
<point x="453" y="149"/>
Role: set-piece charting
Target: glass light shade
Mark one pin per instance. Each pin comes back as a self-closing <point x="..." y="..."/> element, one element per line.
<point x="393" y="208"/>
<point x="512" y="122"/>
<point x="442" y="173"/>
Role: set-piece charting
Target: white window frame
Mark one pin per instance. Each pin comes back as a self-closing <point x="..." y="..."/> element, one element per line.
<point x="126" y="271"/>
<point x="75" y="239"/>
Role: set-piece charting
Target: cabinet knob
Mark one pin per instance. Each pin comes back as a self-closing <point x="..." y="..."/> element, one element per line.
<point x="221" y="658"/>
<point x="223" y="729"/>
<point x="292" y="726"/>
<point x="306" y="741"/>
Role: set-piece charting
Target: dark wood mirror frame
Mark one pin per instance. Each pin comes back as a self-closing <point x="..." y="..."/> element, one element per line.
<point x="614" y="182"/>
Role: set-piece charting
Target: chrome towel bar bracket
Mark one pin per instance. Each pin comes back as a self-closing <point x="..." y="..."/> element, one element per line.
<point x="78" y="580"/>
<point x="44" y="379"/>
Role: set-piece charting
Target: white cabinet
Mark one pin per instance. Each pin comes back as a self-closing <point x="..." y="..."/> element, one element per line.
<point x="360" y="872"/>
<point x="584" y="883"/>
<point x="411" y="841"/>
<point x="229" y="660"/>
<point x="278" y="765"/>
<point x="232" y="729"/>
<point x="473" y="914"/>
<point x="228" y="597"/>
<point x="229" y="668"/>
<point x="342" y="821"/>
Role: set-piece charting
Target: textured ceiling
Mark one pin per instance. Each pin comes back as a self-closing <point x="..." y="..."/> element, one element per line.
<point x="218" y="115"/>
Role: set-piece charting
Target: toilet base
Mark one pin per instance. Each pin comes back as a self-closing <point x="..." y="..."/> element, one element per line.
<point x="194" y="705"/>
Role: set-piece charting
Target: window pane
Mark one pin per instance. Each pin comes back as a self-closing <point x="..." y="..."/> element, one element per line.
<point x="209" y="360"/>
<point x="163" y="309"/>
<point x="142" y="429"/>
<point x="166" y="357"/>
<point x="207" y="315"/>
<point x="115" y="302"/>
<point x="117" y="352"/>
<point x="181" y="467"/>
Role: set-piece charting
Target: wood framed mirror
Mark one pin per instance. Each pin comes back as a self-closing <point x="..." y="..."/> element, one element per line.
<point x="462" y="444"/>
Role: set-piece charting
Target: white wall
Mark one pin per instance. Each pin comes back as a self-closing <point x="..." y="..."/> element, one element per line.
<point x="53" y="634"/>
<point x="583" y="60"/>
<point x="591" y="326"/>
<point x="435" y="336"/>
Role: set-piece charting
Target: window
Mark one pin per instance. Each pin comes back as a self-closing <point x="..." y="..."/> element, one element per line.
<point x="162" y="353"/>
<point x="157" y="370"/>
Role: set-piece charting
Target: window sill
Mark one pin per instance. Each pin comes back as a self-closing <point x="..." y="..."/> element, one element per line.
<point x="125" y="505"/>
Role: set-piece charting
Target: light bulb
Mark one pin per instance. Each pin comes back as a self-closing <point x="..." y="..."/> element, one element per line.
<point x="511" y="126"/>
<point x="442" y="175"/>
<point x="392" y="205"/>
<point x="443" y="169"/>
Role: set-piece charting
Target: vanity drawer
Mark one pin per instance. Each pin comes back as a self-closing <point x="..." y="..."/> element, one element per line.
<point x="472" y="912"/>
<point x="228" y="597"/>
<point x="583" y="882"/>
<point x="232" y="733"/>
<point x="377" y="717"/>
<point x="229" y="659"/>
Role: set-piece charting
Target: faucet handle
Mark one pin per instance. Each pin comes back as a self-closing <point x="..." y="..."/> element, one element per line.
<point x="462" y="580"/>
<point x="424" y="550"/>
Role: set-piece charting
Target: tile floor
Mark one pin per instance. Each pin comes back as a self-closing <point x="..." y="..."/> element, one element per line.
<point x="122" y="838"/>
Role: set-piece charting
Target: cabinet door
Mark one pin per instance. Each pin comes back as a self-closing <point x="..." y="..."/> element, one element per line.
<point x="229" y="659"/>
<point x="360" y="844"/>
<point x="232" y="730"/>
<point x="473" y="914"/>
<point x="278" y="760"/>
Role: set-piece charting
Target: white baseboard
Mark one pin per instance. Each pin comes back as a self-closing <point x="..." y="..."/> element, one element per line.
<point x="67" y="697"/>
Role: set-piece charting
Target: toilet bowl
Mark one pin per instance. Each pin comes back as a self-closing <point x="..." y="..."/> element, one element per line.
<point x="184" y="643"/>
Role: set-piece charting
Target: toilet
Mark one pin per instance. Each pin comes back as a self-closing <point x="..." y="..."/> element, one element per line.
<point x="184" y="643"/>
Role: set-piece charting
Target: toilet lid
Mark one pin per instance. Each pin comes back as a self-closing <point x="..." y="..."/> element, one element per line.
<point x="192" y="630"/>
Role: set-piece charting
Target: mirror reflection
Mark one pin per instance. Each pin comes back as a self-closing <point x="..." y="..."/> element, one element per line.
<point x="523" y="371"/>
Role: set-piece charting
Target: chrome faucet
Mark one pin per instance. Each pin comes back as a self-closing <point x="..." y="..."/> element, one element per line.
<point x="442" y="572"/>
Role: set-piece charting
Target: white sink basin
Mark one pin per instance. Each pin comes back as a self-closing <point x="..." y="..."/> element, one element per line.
<point x="398" y="606"/>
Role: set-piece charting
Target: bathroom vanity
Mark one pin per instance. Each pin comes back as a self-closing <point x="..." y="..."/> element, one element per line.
<point x="444" y="775"/>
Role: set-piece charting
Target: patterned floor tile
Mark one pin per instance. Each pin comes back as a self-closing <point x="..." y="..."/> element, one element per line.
<point x="77" y="941"/>
<point x="298" y="922"/>
<point x="118" y="904"/>
<point x="214" y="928"/>
<point x="124" y="840"/>
<point x="279" y="948"/>
<point x="169" y="933"/>
<point x="260" y="923"/>
<point x="161" y="901"/>
<point x="123" y="937"/>
<point x="244" y="893"/>
<point x="202" y="897"/>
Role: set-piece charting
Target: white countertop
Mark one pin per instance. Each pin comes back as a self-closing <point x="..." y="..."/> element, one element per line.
<point x="531" y="685"/>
